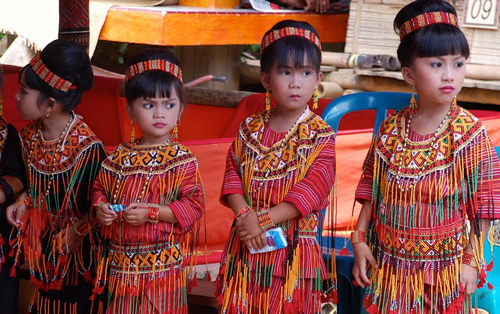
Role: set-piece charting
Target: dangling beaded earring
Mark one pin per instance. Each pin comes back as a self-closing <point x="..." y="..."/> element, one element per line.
<point x="413" y="104"/>
<point x="454" y="103"/>
<point x="315" y="98"/>
<point x="132" y="132"/>
<point x="268" y="100"/>
<point x="175" y="133"/>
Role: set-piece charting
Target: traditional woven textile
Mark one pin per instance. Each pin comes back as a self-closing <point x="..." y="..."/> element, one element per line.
<point x="422" y="191"/>
<point x="67" y="175"/>
<point x="269" y="168"/>
<point x="74" y="22"/>
<point x="146" y="267"/>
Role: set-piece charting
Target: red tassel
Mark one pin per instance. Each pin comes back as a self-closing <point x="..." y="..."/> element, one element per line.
<point x="98" y="290"/>
<point x="335" y="297"/>
<point x="489" y="267"/>
<point x="373" y="309"/>
<point x="209" y="277"/>
<point x="490" y="286"/>
<point x="1" y="241"/>
<point x="355" y="283"/>
<point x="344" y="252"/>
<point x="13" y="271"/>
<point x="87" y="276"/>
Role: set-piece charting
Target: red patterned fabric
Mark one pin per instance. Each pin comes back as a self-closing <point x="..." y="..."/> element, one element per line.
<point x="74" y="21"/>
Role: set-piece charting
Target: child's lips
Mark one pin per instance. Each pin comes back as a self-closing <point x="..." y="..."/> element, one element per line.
<point x="447" y="89"/>
<point x="159" y="125"/>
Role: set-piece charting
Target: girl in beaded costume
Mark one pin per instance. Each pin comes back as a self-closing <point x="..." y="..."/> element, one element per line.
<point x="279" y="173"/>
<point x="62" y="157"/>
<point x="12" y="183"/>
<point x="149" y="245"/>
<point x="431" y="171"/>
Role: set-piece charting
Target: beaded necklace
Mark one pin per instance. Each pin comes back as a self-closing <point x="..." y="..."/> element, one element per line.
<point x="38" y="135"/>
<point x="426" y="163"/>
<point x="284" y="141"/>
<point x="148" y="176"/>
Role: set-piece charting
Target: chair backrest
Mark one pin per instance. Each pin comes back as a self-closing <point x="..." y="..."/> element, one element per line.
<point x="382" y="102"/>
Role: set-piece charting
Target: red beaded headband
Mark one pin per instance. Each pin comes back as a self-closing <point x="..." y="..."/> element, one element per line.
<point x="427" y="19"/>
<point x="48" y="76"/>
<point x="277" y="34"/>
<point x="151" y="65"/>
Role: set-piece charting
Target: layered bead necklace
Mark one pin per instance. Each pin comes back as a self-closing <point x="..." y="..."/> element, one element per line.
<point x="38" y="136"/>
<point x="148" y="175"/>
<point x="405" y="132"/>
<point x="284" y="141"/>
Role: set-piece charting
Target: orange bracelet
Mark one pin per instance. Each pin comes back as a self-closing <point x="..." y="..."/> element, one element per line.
<point x="81" y="228"/>
<point x="358" y="236"/>
<point x="154" y="213"/>
<point x="245" y="209"/>
<point x="468" y="259"/>
<point x="265" y="220"/>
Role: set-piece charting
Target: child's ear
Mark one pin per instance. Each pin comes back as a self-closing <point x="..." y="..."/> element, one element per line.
<point x="51" y="105"/>
<point x="264" y="79"/>
<point x="408" y="75"/>
<point x="320" y="78"/>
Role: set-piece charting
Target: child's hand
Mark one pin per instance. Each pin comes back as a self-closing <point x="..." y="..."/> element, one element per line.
<point x="70" y="240"/>
<point x="15" y="212"/>
<point x="248" y="226"/>
<point x="362" y="256"/>
<point x="469" y="279"/>
<point x="136" y="214"/>
<point x="258" y="243"/>
<point x="105" y="215"/>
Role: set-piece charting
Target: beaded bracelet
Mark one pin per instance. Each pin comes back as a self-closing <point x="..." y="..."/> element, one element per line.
<point x="245" y="209"/>
<point x="154" y="213"/>
<point x="358" y="236"/>
<point x="265" y="220"/>
<point x="468" y="259"/>
<point x="81" y="228"/>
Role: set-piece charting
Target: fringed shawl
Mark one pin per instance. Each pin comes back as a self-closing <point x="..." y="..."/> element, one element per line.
<point x="298" y="168"/>
<point x="149" y="261"/>
<point x="70" y="175"/>
<point x="421" y="199"/>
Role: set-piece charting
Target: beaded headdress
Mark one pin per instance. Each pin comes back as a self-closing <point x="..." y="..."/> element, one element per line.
<point x="48" y="76"/>
<point x="427" y="19"/>
<point x="277" y="34"/>
<point x="150" y="65"/>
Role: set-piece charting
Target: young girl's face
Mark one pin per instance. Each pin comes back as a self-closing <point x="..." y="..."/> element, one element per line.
<point x="27" y="101"/>
<point x="292" y="87"/>
<point x="436" y="79"/>
<point x="156" y="117"/>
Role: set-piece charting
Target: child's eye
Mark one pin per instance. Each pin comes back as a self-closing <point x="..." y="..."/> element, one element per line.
<point x="307" y="73"/>
<point x="148" y="106"/>
<point x="285" y="72"/>
<point x="459" y="64"/>
<point x="170" y="105"/>
<point x="436" y="64"/>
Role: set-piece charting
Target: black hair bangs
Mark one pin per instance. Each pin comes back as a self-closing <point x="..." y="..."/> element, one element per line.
<point x="153" y="84"/>
<point x="442" y="41"/>
<point x="293" y="49"/>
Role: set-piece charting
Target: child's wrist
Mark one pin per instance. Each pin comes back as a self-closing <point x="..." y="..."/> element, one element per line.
<point x="358" y="236"/>
<point x="265" y="221"/>
<point x="469" y="260"/>
<point x="244" y="210"/>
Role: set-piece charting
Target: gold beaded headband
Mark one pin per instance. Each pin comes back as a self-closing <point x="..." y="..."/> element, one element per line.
<point x="277" y="34"/>
<point x="150" y="65"/>
<point x="427" y="19"/>
<point x="48" y="76"/>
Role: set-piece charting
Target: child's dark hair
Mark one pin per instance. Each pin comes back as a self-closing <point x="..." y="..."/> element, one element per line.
<point x="154" y="83"/>
<point x="69" y="61"/>
<point x="291" y="47"/>
<point x="433" y="40"/>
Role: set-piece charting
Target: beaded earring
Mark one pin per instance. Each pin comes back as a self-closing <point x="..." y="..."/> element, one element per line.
<point x="132" y="132"/>
<point x="413" y="104"/>
<point x="454" y="103"/>
<point x="315" y="98"/>
<point x="175" y="133"/>
<point x="268" y="100"/>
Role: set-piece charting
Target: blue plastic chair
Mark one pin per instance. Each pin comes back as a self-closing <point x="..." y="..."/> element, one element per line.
<point x="382" y="102"/>
<point x="350" y="297"/>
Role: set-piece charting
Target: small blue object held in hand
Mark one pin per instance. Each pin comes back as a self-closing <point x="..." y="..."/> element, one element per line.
<point x="276" y="240"/>
<point x="117" y="208"/>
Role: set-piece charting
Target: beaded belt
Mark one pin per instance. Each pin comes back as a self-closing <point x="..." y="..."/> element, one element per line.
<point x="143" y="259"/>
